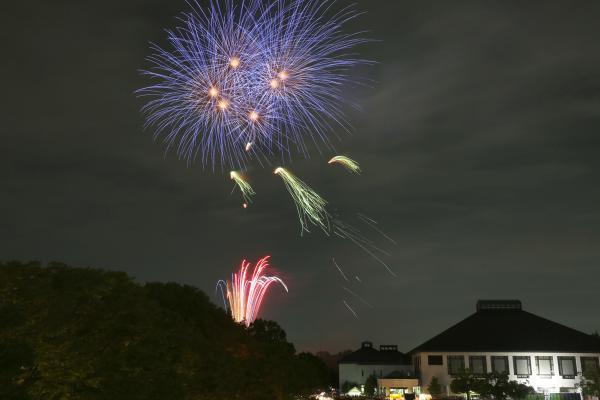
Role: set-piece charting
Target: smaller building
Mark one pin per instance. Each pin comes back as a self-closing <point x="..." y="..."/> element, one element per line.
<point x="356" y="367"/>
<point x="399" y="385"/>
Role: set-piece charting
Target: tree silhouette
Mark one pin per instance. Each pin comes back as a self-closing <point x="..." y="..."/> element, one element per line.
<point x="72" y="333"/>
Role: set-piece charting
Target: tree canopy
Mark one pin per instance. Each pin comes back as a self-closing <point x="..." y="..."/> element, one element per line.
<point x="72" y="333"/>
<point x="370" y="385"/>
<point x="467" y="382"/>
<point x="590" y="383"/>
<point x="491" y="385"/>
<point x="434" y="388"/>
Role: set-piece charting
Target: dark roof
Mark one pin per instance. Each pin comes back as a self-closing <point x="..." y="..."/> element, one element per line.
<point x="368" y="355"/>
<point x="495" y="327"/>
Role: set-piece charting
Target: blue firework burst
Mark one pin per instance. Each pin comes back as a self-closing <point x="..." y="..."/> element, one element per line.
<point x="249" y="81"/>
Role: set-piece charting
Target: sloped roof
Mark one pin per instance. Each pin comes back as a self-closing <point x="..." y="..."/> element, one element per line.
<point x="368" y="355"/>
<point x="509" y="329"/>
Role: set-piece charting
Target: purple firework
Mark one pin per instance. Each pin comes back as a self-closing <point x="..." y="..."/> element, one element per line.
<point x="250" y="80"/>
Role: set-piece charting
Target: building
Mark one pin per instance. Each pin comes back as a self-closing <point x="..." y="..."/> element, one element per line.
<point x="356" y="367"/>
<point x="399" y="385"/>
<point x="501" y="337"/>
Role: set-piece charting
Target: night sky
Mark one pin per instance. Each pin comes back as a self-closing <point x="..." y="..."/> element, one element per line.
<point x="479" y="140"/>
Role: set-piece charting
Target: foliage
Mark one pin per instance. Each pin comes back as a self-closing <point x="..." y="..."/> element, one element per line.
<point x="434" y="388"/>
<point x="500" y="387"/>
<point x="590" y="384"/>
<point x="467" y="382"/>
<point x="370" y="385"/>
<point x="70" y="333"/>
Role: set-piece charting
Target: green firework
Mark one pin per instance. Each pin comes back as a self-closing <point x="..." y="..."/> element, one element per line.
<point x="309" y="204"/>
<point x="245" y="188"/>
<point x="347" y="162"/>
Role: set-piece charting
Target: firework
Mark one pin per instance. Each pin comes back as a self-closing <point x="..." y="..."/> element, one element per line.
<point x="245" y="293"/>
<point x="373" y="225"/>
<point x="350" y="309"/>
<point x="347" y="163"/>
<point x="245" y="188"/>
<point x="358" y="297"/>
<point x="268" y="73"/>
<point x="311" y="209"/>
<point x="339" y="269"/>
<point x="309" y="205"/>
<point x="346" y="231"/>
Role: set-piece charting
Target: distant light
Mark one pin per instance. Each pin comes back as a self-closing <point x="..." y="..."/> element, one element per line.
<point x="274" y="83"/>
<point x="234" y="62"/>
<point x="283" y="75"/>
<point x="253" y="115"/>
<point x="213" y="91"/>
<point x="248" y="146"/>
<point x="245" y="205"/>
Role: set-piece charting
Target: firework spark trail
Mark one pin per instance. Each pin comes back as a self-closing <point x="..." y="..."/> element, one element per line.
<point x="339" y="269"/>
<point x="346" y="231"/>
<point x="358" y="279"/>
<point x="373" y="225"/>
<point x="350" y="309"/>
<point x="311" y="208"/>
<point x="309" y="205"/>
<point x="269" y="73"/>
<point x="245" y="294"/>
<point x="347" y="163"/>
<point x="245" y="188"/>
<point x="358" y="297"/>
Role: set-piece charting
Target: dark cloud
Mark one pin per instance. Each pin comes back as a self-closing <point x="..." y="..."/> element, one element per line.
<point x="478" y="138"/>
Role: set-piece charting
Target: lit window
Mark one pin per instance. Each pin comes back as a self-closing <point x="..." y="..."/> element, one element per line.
<point x="545" y="367"/>
<point x="500" y="364"/>
<point x="589" y="364"/>
<point x="522" y="366"/>
<point x="456" y="364"/>
<point x="477" y="364"/>
<point x="566" y="367"/>
<point x="435" y="360"/>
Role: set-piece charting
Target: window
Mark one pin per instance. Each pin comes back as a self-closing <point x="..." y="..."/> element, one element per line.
<point x="477" y="364"/>
<point x="522" y="366"/>
<point x="435" y="360"/>
<point x="589" y="364"/>
<point x="544" y="365"/>
<point x="456" y="364"/>
<point x="566" y="367"/>
<point x="500" y="364"/>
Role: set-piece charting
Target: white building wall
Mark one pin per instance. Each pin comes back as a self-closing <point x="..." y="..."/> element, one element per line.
<point x="539" y="383"/>
<point x="359" y="373"/>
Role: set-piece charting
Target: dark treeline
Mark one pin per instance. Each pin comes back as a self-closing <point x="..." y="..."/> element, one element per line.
<point x="75" y="333"/>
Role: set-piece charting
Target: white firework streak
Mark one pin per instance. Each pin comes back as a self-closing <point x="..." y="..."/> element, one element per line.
<point x="339" y="269"/>
<point x="350" y="309"/>
<point x="372" y="224"/>
<point x="358" y="297"/>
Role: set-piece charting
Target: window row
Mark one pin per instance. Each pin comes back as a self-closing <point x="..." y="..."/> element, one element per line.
<point x="567" y="367"/>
